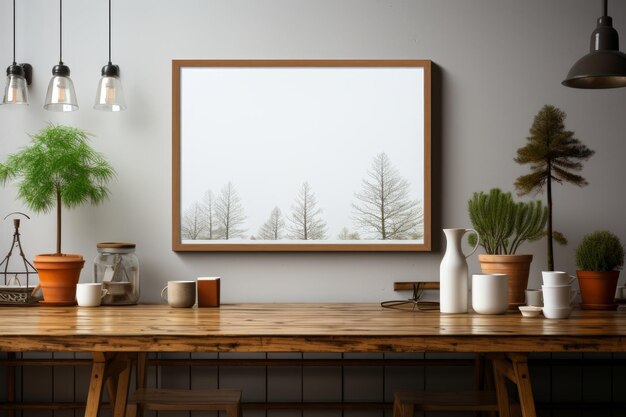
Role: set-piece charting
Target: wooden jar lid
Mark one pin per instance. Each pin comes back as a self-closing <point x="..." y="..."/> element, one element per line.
<point x="115" y="245"/>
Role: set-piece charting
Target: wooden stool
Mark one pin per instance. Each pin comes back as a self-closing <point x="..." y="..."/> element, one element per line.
<point x="513" y="367"/>
<point x="406" y="403"/>
<point x="228" y="400"/>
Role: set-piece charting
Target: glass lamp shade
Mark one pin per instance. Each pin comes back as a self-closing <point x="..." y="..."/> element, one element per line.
<point x="61" y="95"/>
<point x="16" y="91"/>
<point x="110" y="95"/>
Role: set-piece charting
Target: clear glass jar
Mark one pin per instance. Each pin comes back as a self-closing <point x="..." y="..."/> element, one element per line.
<point x="116" y="266"/>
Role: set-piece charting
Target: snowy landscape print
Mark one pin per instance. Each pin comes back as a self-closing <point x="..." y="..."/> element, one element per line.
<point x="302" y="155"/>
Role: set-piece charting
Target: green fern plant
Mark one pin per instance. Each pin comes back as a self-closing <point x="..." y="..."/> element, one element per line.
<point x="57" y="169"/>
<point x="600" y="251"/>
<point x="503" y="224"/>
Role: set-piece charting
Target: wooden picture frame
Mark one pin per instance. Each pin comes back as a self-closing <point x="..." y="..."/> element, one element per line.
<point x="222" y="108"/>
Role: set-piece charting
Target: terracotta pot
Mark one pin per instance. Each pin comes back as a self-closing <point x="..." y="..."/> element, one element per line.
<point x="517" y="267"/>
<point x="58" y="276"/>
<point x="597" y="289"/>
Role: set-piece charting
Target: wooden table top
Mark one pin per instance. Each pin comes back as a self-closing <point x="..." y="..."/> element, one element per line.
<point x="301" y="327"/>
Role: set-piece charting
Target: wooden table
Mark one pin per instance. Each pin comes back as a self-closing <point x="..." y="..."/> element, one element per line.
<point x="110" y="332"/>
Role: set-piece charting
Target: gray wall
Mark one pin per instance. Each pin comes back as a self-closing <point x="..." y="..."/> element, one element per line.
<point x="499" y="62"/>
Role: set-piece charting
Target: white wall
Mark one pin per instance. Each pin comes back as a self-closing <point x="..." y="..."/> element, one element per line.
<point x="499" y="61"/>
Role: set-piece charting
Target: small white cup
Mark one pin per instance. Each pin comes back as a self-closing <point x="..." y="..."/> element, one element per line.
<point x="558" y="296"/>
<point x="90" y="294"/>
<point x="534" y="298"/>
<point x="620" y="292"/>
<point x="557" y="313"/>
<point x="555" y="278"/>
<point x="490" y="293"/>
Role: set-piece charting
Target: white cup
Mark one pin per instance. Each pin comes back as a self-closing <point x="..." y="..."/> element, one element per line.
<point x="620" y="292"/>
<point x="555" y="278"/>
<point x="534" y="298"/>
<point x="90" y="294"/>
<point x="557" y="313"/>
<point x="558" y="296"/>
<point x="490" y="293"/>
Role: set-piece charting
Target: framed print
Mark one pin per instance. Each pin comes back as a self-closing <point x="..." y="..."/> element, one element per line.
<point x="306" y="155"/>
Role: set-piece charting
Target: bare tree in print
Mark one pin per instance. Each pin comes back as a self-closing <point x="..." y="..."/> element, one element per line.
<point x="229" y="214"/>
<point x="346" y="234"/>
<point x="193" y="224"/>
<point x="305" y="220"/>
<point x="273" y="228"/>
<point x="208" y="214"/>
<point x="384" y="209"/>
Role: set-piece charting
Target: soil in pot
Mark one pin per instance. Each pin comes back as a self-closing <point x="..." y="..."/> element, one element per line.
<point x="58" y="276"/>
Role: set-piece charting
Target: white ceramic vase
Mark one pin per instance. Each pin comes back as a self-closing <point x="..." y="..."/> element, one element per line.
<point x="453" y="274"/>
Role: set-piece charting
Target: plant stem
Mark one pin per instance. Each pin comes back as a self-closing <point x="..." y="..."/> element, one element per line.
<point x="58" y="221"/>
<point x="550" y="239"/>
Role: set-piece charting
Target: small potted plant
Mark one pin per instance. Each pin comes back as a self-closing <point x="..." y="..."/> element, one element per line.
<point x="58" y="169"/>
<point x="598" y="258"/>
<point x="503" y="226"/>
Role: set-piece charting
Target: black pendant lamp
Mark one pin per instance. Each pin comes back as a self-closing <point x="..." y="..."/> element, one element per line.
<point x="19" y="76"/>
<point x="110" y="95"/>
<point x="61" y="95"/>
<point x="604" y="66"/>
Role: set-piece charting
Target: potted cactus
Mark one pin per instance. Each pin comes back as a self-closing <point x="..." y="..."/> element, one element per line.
<point x="599" y="257"/>
<point x="58" y="169"/>
<point x="504" y="226"/>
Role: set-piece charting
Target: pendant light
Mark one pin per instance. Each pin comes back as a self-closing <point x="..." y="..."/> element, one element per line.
<point x="604" y="66"/>
<point x="61" y="95"/>
<point x="110" y="95"/>
<point x="18" y="77"/>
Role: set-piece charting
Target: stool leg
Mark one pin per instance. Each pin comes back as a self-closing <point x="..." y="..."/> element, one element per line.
<point x="233" y="411"/>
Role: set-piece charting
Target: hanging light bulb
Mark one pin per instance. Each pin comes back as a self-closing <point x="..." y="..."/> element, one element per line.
<point x="19" y="76"/>
<point x="61" y="95"/>
<point x="110" y="95"/>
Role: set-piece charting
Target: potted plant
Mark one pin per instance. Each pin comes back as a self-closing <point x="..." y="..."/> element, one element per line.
<point x="598" y="258"/>
<point x="503" y="226"/>
<point x="58" y="169"/>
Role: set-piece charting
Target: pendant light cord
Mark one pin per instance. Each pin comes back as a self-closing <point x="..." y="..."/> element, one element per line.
<point x="605" y="8"/>
<point x="14" y="63"/>
<point x="109" y="32"/>
<point x="61" y="32"/>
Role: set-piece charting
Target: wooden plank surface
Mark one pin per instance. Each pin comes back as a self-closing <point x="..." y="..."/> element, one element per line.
<point x="301" y="327"/>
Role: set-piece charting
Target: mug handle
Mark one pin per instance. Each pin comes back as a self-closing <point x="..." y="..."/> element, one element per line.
<point x="104" y="293"/>
<point x="163" y="291"/>
<point x="477" y="242"/>
<point x="572" y="279"/>
<point x="573" y="296"/>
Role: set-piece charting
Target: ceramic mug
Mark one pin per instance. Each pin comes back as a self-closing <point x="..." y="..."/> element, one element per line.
<point x="90" y="294"/>
<point x="180" y="294"/>
<point x="554" y="278"/>
<point x="534" y="298"/>
<point x="208" y="291"/>
<point x="558" y="296"/>
<point x="490" y="293"/>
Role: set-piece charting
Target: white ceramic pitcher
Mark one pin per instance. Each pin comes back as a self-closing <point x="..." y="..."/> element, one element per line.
<point x="453" y="274"/>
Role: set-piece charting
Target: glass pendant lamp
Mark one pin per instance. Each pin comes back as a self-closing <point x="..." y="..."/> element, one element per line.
<point x="61" y="96"/>
<point x="19" y="76"/>
<point x="110" y="95"/>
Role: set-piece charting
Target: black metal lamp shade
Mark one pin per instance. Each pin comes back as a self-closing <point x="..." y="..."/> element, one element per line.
<point x="605" y="65"/>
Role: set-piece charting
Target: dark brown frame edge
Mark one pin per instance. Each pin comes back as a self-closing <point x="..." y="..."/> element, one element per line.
<point x="178" y="246"/>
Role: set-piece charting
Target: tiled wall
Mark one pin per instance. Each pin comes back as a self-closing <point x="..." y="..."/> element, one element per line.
<point x="559" y="380"/>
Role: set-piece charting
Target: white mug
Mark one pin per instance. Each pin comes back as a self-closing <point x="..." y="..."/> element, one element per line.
<point x="534" y="297"/>
<point x="554" y="278"/>
<point x="558" y="296"/>
<point x="490" y="293"/>
<point x="90" y="294"/>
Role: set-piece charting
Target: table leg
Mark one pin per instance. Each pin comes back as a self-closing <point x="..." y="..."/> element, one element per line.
<point x="524" y="389"/>
<point x="96" y="384"/>
<point x="123" y="383"/>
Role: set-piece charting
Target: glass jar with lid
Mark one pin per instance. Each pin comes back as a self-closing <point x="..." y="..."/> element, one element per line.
<point x="116" y="266"/>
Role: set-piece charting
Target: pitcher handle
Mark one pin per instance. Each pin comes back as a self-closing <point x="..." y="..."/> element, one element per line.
<point x="477" y="242"/>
